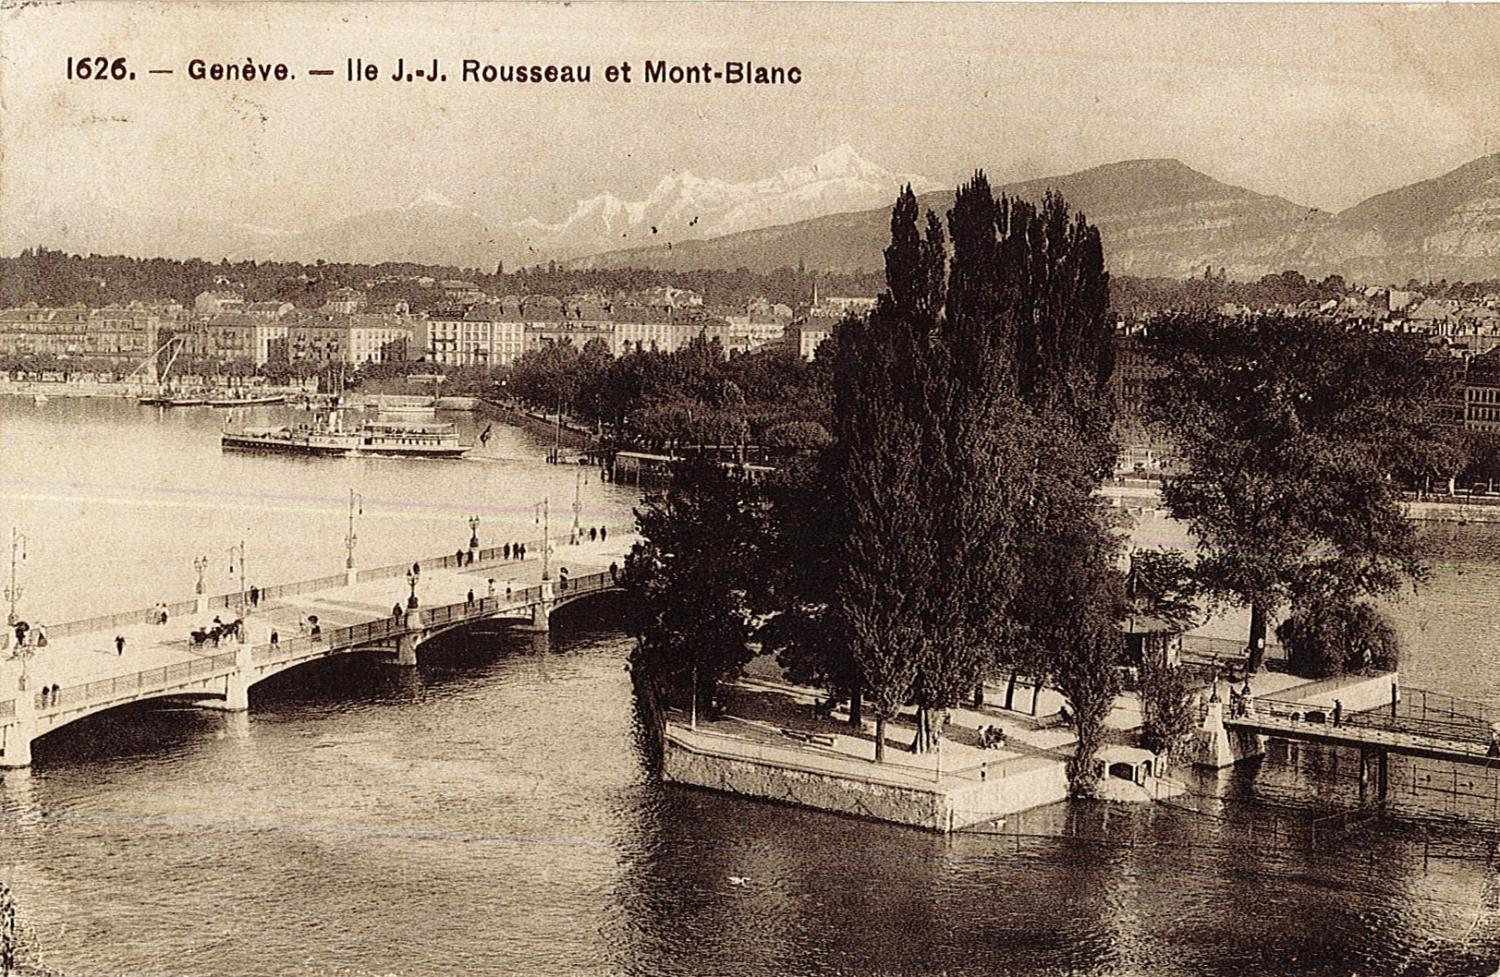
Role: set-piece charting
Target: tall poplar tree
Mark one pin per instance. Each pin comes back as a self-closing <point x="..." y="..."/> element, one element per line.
<point x="936" y="444"/>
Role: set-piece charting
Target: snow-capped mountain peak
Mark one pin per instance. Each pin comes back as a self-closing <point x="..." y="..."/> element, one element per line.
<point x="685" y="206"/>
<point x="430" y="198"/>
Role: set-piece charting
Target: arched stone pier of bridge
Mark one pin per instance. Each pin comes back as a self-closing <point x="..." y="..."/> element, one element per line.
<point x="236" y="683"/>
<point x="16" y="737"/>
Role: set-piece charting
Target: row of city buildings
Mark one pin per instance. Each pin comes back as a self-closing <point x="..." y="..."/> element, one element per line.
<point x="347" y="330"/>
<point x="350" y="331"/>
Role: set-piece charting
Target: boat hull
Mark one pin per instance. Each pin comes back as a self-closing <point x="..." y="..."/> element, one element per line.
<point x="247" y="402"/>
<point x="330" y="448"/>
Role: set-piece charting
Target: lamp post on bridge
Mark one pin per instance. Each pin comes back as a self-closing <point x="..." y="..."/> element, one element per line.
<point x="546" y="539"/>
<point x="200" y="563"/>
<point x="239" y="548"/>
<point x="350" y="539"/>
<point x="473" y="532"/>
<point x="14" y="590"/>
<point x="577" y="505"/>
<point x="412" y="576"/>
<point x="23" y="655"/>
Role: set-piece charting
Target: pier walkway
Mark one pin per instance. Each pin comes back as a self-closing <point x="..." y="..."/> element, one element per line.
<point x="81" y="672"/>
<point x="1456" y="740"/>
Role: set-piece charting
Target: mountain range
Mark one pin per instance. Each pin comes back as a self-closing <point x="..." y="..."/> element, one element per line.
<point x="432" y="229"/>
<point x="1157" y="217"/>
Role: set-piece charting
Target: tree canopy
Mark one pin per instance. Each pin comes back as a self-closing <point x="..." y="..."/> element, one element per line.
<point x="1295" y="434"/>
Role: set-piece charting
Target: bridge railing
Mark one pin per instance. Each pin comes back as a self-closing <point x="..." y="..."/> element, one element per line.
<point x="449" y="560"/>
<point x="332" y="640"/>
<point x="1428" y="705"/>
<point x="569" y="587"/>
<point x="1226" y="648"/>
<point x="303" y="586"/>
<point x="101" y="623"/>
<point x="1318" y="715"/>
<point x="428" y="617"/>
<point x="135" y="683"/>
<point x="147" y="615"/>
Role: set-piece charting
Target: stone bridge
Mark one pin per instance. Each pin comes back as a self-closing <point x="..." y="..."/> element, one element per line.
<point x="220" y="675"/>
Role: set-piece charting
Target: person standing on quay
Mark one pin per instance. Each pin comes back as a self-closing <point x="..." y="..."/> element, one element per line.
<point x="506" y="551"/>
<point x="119" y="644"/>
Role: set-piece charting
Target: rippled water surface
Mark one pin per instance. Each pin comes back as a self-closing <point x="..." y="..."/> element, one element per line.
<point x="493" y="812"/>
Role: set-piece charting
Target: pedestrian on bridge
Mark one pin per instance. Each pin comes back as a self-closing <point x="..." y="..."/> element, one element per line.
<point x="396" y="610"/>
<point x="1338" y="712"/>
<point x="491" y="593"/>
<point x="603" y="533"/>
<point x="119" y="644"/>
<point x="506" y="550"/>
<point x="275" y="638"/>
<point x="593" y="533"/>
<point x="469" y="600"/>
<point x="254" y="596"/>
<point x="458" y="557"/>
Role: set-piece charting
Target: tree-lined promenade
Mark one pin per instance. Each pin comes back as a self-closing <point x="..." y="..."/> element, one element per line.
<point x="951" y="532"/>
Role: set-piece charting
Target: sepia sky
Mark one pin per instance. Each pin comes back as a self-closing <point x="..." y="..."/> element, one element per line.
<point x="1324" y="105"/>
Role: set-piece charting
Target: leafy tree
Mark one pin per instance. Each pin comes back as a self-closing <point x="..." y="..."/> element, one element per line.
<point x="1160" y="584"/>
<point x="1086" y="642"/>
<point x="1330" y="637"/>
<point x="885" y="557"/>
<point x="690" y="577"/>
<point x="794" y="436"/>
<point x="1296" y="433"/>
<point x="804" y="539"/>
<point x="1167" y="708"/>
<point x="938" y="438"/>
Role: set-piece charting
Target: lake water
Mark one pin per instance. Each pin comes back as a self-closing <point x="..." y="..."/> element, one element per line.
<point x="493" y="811"/>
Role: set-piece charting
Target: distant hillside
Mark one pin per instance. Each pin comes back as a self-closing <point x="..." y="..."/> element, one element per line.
<point x="1448" y="227"/>
<point x="1160" y="218"/>
<point x="431" y="228"/>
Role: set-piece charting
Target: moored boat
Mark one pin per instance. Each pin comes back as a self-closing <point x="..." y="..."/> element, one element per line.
<point x="248" y="401"/>
<point x="373" y="438"/>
